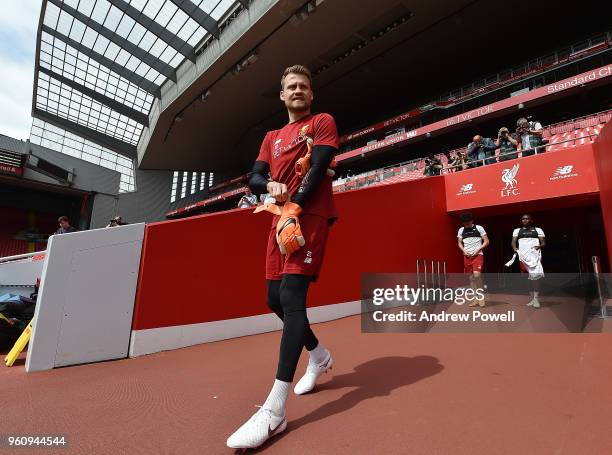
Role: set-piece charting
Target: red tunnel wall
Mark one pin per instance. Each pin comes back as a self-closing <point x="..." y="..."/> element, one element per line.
<point x="211" y="267"/>
<point x="603" y="162"/>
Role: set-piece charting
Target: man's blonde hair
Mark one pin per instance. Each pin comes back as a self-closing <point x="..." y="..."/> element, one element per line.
<point x="296" y="69"/>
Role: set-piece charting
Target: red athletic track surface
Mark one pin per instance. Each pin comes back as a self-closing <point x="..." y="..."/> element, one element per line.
<point x="389" y="393"/>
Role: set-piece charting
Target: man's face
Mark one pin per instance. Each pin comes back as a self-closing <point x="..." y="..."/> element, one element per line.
<point x="526" y="220"/>
<point x="467" y="224"/>
<point x="64" y="224"/>
<point x="477" y="139"/>
<point x="296" y="93"/>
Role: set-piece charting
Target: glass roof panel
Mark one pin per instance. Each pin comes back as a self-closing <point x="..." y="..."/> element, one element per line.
<point x="220" y="8"/>
<point x="101" y="83"/>
<point x="85" y="71"/>
<point x="60" y="140"/>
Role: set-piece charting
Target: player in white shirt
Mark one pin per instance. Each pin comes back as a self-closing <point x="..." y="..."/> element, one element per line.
<point x="471" y="240"/>
<point x="527" y="243"/>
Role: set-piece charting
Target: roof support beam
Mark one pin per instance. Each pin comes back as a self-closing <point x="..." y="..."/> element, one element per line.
<point x="192" y="10"/>
<point x="115" y="105"/>
<point x="134" y="78"/>
<point x="102" y="139"/>
<point x="158" y="65"/>
<point x="162" y="33"/>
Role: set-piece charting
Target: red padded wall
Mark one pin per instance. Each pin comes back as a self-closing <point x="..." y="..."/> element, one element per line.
<point x="603" y="160"/>
<point x="211" y="267"/>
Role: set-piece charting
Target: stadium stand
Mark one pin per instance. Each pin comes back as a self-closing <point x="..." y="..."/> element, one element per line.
<point x="21" y="233"/>
<point x="401" y="127"/>
<point x="561" y="136"/>
<point x="507" y="78"/>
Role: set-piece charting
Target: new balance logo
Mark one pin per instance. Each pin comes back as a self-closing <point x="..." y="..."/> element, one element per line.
<point x="564" y="172"/>
<point x="467" y="188"/>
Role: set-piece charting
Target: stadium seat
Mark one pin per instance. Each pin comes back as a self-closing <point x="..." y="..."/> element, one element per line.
<point x="561" y="136"/>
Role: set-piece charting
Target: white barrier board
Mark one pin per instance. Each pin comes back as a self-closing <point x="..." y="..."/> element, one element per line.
<point x="86" y="298"/>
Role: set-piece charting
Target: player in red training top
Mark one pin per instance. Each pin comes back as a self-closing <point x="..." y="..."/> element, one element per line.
<point x="297" y="158"/>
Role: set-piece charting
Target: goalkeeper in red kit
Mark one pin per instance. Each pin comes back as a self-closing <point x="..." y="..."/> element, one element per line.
<point x="294" y="167"/>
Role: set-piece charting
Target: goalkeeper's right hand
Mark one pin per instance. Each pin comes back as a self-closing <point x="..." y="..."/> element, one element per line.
<point x="288" y="232"/>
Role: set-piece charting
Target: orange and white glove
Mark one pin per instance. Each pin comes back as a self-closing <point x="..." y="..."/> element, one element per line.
<point x="289" y="235"/>
<point x="302" y="166"/>
<point x="288" y="232"/>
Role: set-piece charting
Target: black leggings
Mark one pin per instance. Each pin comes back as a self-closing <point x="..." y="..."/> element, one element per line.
<point x="287" y="298"/>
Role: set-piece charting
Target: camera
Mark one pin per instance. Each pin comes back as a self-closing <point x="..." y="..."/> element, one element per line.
<point x="522" y="129"/>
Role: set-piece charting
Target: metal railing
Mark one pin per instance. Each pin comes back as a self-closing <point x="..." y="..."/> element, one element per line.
<point x="529" y="68"/>
<point x="470" y="164"/>
<point x="434" y="276"/>
<point x="602" y="300"/>
<point x="601" y="117"/>
<point x="362" y="180"/>
<point x="378" y="175"/>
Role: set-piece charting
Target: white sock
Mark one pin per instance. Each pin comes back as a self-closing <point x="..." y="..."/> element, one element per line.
<point x="278" y="397"/>
<point x="535" y="294"/>
<point x="318" y="354"/>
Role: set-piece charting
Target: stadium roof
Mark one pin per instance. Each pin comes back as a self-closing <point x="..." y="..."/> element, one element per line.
<point x="100" y="64"/>
<point x="193" y="84"/>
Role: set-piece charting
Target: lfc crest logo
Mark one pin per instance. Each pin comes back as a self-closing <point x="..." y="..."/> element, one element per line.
<point x="509" y="178"/>
<point x="304" y="130"/>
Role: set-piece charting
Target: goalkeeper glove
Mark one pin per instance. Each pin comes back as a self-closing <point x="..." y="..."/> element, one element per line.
<point x="288" y="232"/>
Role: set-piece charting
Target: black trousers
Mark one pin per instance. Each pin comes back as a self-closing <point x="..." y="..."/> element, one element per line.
<point x="287" y="298"/>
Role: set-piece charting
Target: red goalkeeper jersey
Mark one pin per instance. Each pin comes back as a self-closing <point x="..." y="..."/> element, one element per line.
<point x="282" y="148"/>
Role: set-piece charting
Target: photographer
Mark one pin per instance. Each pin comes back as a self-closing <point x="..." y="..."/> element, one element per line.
<point x="457" y="162"/>
<point x="507" y="144"/>
<point x="433" y="166"/>
<point x="248" y="200"/>
<point x="115" y="222"/>
<point x="479" y="149"/>
<point x="530" y="134"/>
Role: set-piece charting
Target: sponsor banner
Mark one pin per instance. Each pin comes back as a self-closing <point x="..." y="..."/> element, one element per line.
<point x="535" y="177"/>
<point x="13" y="170"/>
<point x="566" y="84"/>
<point x="228" y="182"/>
<point x="389" y="141"/>
<point x="379" y="126"/>
<point x="205" y="202"/>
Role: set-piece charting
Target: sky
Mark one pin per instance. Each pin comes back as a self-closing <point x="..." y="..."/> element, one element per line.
<point x="18" y="24"/>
